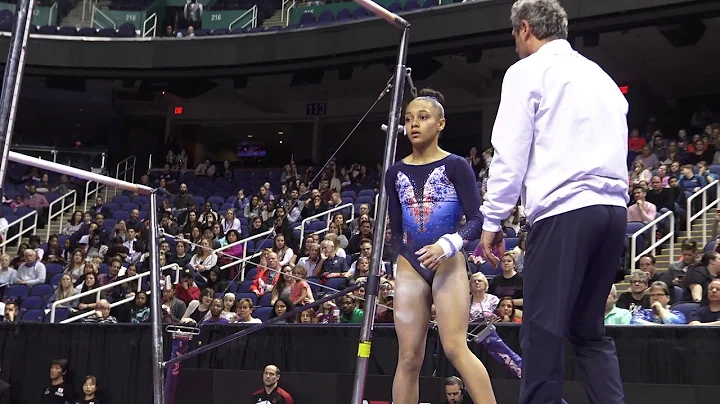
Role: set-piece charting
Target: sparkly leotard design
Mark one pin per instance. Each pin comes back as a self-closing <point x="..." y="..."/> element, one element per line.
<point x="428" y="201"/>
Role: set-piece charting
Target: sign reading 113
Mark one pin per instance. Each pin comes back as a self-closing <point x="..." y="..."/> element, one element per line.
<point x="316" y="109"/>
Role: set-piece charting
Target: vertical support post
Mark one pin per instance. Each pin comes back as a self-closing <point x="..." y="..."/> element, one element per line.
<point x="156" y="305"/>
<point x="12" y="80"/>
<point x="373" y="286"/>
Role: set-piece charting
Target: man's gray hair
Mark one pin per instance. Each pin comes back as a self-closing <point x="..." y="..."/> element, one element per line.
<point x="547" y="18"/>
<point x="639" y="275"/>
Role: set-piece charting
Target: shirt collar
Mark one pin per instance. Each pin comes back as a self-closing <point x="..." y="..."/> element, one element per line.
<point x="556" y="46"/>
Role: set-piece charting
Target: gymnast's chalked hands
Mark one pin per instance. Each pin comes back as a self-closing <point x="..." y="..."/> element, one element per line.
<point x="492" y="241"/>
<point x="431" y="256"/>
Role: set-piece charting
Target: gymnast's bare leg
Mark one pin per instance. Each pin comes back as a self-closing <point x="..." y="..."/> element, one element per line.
<point x="411" y="306"/>
<point x="451" y="294"/>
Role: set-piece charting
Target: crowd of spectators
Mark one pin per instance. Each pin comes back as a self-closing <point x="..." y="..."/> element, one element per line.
<point x="208" y="212"/>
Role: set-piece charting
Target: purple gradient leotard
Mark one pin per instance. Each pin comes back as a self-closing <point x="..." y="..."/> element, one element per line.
<point x="427" y="202"/>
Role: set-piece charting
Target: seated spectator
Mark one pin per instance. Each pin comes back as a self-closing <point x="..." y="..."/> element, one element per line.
<point x="660" y="196"/>
<point x="647" y="265"/>
<point x="677" y="271"/>
<point x="228" y="306"/>
<point x="100" y="207"/>
<point x="34" y="243"/>
<point x="31" y="272"/>
<point x="89" y="302"/>
<point x="349" y="312"/>
<point x="89" y="389"/>
<point x="648" y="158"/>
<point x="208" y="217"/>
<point x="139" y="309"/>
<point x="267" y="275"/>
<point x="215" y="282"/>
<point x="709" y="314"/>
<point x="509" y="283"/>
<point x="690" y="182"/>
<point x="507" y="312"/>
<point x="300" y="292"/>
<point x="639" y="173"/>
<point x="10" y="312"/>
<point x="329" y="313"/>
<point x="387" y="315"/>
<point x="243" y="310"/>
<point x="634" y="299"/>
<point x="698" y="277"/>
<point x="613" y="314"/>
<point x="642" y="210"/>
<point x="173" y="306"/>
<point x="284" y="253"/>
<point x="230" y="222"/>
<point x="331" y="265"/>
<point x="64" y="290"/>
<point x="478" y="256"/>
<point x="216" y="317"/>
<point x="181" y="257"/>
<point x="659" y="311"/>
<point x="282" y="306"/>
<point x="6" y="271"/>
<point x="307" y="317"/>
<point x="186" y="290"/>
<point x="73" y="224"/>
<point x="204" y="259"/>
<point x="482" y="304"/>
<point x="102" y="313"/>
<point x="199" y="310"/>
<point x="201" y="169"/>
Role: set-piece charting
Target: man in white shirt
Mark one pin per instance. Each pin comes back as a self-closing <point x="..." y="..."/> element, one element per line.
<point x="554" y="104"/>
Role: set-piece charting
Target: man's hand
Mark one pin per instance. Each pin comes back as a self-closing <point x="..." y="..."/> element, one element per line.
<point x="489" y="242"/>
<point x="431" y="256"/>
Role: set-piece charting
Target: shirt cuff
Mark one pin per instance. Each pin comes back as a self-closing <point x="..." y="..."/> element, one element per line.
<point x="451" y="244"/>
<point x="491" y="226"/>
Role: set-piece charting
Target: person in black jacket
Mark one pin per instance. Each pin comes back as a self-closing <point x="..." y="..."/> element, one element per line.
<point x="271" y="392"/>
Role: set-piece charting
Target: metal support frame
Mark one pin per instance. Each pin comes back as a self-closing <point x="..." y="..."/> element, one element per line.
<point x="373" y="286"/>
<point x="12" y="80"/>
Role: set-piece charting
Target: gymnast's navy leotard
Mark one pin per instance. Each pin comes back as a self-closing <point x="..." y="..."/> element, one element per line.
<point x="427" y="202"/>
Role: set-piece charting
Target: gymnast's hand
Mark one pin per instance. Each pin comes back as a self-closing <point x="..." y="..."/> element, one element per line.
<point x="431" y="256"/>
<point x="492" y="241"/>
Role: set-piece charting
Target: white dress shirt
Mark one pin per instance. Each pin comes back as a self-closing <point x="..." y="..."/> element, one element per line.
<point x="560" y="138"/>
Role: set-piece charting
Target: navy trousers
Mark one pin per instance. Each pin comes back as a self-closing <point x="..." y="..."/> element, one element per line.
<point x="570" y="264"/>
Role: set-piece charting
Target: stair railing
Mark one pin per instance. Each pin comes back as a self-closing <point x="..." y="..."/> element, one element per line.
<point x="53" y="10"/>
<point x="20" y="222"/>
<point x="150" y="31"/>
<point x="286" y="5"/>
<point x="245" y="257"/>
<point x="94" y="20"/>
<point x="702" y="193"/>
<point x="253" y="11"/>
<point x="635" y="256"/>
<point x="287" y="12"/>
<point x="329" y="213"/>
<point x="59" y="207"/>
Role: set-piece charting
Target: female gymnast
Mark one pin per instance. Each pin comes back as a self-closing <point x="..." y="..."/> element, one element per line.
<point x="429" y="191"/>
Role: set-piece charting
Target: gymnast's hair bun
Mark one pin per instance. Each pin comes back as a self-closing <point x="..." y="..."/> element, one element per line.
<point x="430" y="93"/>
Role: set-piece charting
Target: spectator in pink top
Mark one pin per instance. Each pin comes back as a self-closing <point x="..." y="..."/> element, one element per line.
<point x="478" y="256"/>
<point x="642" y="210"/>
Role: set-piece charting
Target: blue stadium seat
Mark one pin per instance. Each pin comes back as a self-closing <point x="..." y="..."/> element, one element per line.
<point x="61" y="314"/>
<point x="16" y="292"/>
<point x="326" y="17"/>
<point x="55" y="280"/>
<point x="251" y="296"/>
<point x="33" y="302"/>
<point x="42" y="290"/>
<point x="307" y="19"/>
<point x="244" y="287"/>
<point x="262" y="313"/>
<point x="264" y="300"/>
<point x="33" y="316"/>
<point x="686" y="308"/>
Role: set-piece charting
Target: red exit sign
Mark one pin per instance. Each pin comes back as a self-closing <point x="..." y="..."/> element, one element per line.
<point x="178" y="110"/>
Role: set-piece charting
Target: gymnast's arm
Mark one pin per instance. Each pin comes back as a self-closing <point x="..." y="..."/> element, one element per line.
<point x="511" y="138"/>
<point x="463" y="178"/>
<point x="394" y="212"/>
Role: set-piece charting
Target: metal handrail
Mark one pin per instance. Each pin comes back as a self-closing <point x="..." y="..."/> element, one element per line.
<point x="245" y="257"/>
<point x="63" y="208"/>
<point x="253" y="20"/>
<point x="287" y="13"/>
<point x="705" y="207"/>
<point x="50" y="14"/>
<point x="129" y="167"/>
<point x="88" y="192"/>
<point x="147" y="31"/>
<point x="99" y="289"/>
<point x="635" y="257"/>
<point x="282" y="9"/>
<point x="21" y="230"/>
<point x="96" y="10"/>
<point x="329" y="218"/>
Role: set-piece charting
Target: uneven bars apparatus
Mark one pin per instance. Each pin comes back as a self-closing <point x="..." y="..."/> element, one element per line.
<point x="373" y="286"/>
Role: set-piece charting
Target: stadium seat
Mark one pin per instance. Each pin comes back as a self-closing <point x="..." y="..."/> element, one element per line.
<point x="251" y="296"/>
<point x="33" y="316"/>
<point x="42" y="290"/>
<point x="264" y="300"/>
<point x="686" y="308"/>
<point x="262" y="313"/>
<point x="16" y="292"/>
<point x="33" y="302"/>
<point x="61" y="314"/>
